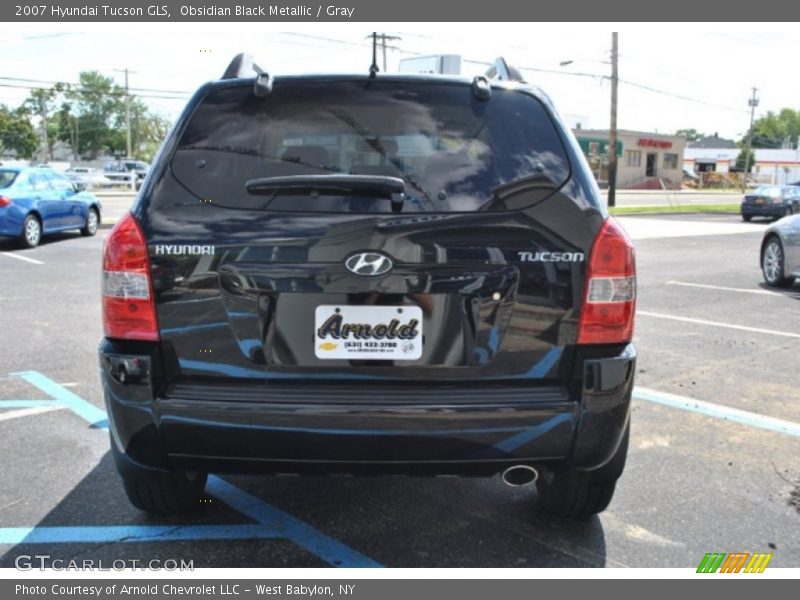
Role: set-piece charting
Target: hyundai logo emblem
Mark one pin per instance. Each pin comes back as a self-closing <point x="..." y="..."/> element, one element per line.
<point x="369" y="264"/>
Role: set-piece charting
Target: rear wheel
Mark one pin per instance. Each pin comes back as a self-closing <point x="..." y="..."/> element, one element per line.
<point x="31" y="232"/>
<point x="581" y="494"/>
<point x="92" y="223"/>
<point x="747" y="218"/>
<point x="167" y="494"/>
<point x="772" y="264"/>
<point x="159" y="492"/>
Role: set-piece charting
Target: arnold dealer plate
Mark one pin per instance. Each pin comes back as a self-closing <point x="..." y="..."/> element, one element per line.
<point x="368" y="332"/>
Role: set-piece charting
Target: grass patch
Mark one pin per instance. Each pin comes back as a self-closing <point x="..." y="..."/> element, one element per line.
<point x="682" y="208"/>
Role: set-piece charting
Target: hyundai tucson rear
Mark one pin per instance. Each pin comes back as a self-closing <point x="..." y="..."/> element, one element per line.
<point x="360" y="274"/>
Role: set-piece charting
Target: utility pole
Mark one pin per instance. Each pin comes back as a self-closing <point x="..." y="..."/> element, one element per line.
<point x="127" y="112"/>
<point x="612" y="134"/>
<point x="383" y="38"/>
<point x="752" y="103"/>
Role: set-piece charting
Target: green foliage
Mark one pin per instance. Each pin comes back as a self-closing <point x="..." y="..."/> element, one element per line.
<point x="16" y="133"/>
<point x="776" y="130"/>
<point x="751" y="159"/>
<point x="691" y="135"/>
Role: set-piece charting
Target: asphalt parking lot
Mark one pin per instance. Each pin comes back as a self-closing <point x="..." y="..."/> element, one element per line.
<point x="712" y="465"/>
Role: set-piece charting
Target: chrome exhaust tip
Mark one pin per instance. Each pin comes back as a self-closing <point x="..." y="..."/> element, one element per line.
<point x="520" y="475"/>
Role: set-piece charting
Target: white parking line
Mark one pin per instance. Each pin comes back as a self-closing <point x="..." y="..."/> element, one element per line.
<point x="20" y="257"/>
<point x="27" y="412"/>
<point x="727" y="289"/>
<point x="718" y="324"/>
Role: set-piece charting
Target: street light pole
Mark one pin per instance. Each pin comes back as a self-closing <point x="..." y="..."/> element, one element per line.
<point x="612" y="134"/>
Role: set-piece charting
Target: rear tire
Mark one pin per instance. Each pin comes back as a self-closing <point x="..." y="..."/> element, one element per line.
<point x="156" y="491"/>
<point x="166" y="494"/>
<point x="92" y="223"/>
<point x="747" y="218"/>
<point x="31" y="232"/>
<point x="772" y="266"/>
<point x="577" y="494"/>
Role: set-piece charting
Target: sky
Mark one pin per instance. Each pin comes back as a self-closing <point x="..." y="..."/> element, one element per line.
<point x="673" y="76"/>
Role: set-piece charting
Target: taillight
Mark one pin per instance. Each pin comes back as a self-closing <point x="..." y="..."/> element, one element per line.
<point x="129" y="310"/>
<point x="610" y="296"/>
<point x="4" y="201"/>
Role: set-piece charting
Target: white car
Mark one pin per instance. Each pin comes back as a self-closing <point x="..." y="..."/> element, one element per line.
<point x="91" y="178"/>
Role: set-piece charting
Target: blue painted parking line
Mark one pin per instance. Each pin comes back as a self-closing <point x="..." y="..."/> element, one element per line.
<point x="87" y="411"/>
<point x="291" y="528"/>
<point x="743" y="417"/>
<point x="131" y="533"/>
<point x="271" y="522"/>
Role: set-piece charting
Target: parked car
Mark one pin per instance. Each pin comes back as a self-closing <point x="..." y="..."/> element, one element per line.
<point x="87" y="176"/>
<point x="773" y="201"/>
<point x="120" y="171"/>
<point x="36" y="201"/>
<point x="380" y="274"/>
<point x="780" y="252"/>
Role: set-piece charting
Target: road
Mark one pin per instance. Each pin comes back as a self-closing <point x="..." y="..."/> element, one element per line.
<point x="712" y="463"/>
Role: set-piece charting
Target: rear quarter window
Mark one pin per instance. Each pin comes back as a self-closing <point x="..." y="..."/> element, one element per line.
<point x="7" y="178"/>
<point x="454" y="152"/>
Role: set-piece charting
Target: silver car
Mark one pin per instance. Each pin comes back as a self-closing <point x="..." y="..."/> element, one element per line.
<point x="780" y="252"/>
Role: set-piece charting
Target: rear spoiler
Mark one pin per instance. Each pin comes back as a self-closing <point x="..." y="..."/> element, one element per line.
<point x="244" y="66"/>
<point x="499" y="71"/>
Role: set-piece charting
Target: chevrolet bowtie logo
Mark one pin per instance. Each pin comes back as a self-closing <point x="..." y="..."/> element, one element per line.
<point x="369" y="263"/>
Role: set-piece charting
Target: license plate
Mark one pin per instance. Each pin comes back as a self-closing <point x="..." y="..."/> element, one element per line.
<point x="368" y="332"/>
<point x="759" y="201"/>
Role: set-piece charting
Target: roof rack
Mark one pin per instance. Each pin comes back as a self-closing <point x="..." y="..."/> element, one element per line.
<point x="243" y="66"/>
<point x="502" y="71"/>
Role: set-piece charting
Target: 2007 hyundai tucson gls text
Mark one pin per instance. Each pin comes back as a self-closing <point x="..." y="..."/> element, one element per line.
<point x="369" y="274"/>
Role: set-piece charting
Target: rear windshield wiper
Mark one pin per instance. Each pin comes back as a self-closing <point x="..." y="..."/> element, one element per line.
<point x="393" y="187"/>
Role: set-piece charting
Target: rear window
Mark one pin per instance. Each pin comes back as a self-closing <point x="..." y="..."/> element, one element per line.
<point x="772" y="191"/>
<point x="7" y="178"/>
<point x="454" y="152"/>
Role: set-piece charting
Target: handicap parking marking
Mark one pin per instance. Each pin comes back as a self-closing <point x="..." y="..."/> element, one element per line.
<point x="292" y="528"/>
<point x="87" y="411"/>
<point x="95" y="534"/>
<point x="270" y="521"/>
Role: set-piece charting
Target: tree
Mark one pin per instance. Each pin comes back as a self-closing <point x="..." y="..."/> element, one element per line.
<point x="41" y="103"/>
<point x="751" y="159"/>
<point x="16" y="133"/>
<point x="691" y="135"/>
<point x="777" y="130"/>
<point x="91" y="115"/>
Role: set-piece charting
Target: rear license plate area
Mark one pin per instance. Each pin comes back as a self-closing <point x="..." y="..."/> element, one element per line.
<point x="348" y="332"/>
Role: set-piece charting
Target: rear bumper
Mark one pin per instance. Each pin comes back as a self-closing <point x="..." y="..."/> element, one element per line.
<point x="355" y="427"/>
<point x="763" y="210"/>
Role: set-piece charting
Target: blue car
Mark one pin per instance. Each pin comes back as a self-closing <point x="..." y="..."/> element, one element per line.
<point x="36" y="201"/>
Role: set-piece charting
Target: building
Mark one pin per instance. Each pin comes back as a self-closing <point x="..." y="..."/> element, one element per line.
<point x="779" y="166"/>
<point x="644" y="160"/>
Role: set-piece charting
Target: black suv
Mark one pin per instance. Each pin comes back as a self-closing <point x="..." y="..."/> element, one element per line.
<point x="369" y="274"/>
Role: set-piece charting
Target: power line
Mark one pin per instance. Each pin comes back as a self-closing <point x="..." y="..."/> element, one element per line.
<point x="120" y="94"/>
<point x="133" y="89"/>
